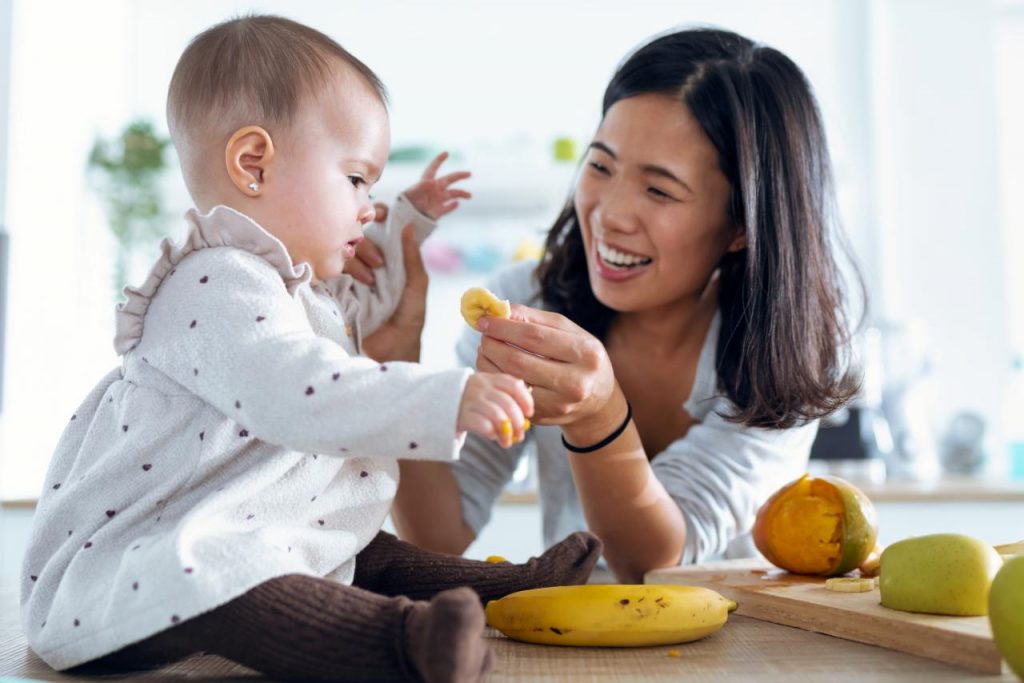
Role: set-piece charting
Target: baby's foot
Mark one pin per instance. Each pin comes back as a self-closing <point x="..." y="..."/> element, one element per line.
<point x="567" y="563"/>
<point x="444" y="638"/>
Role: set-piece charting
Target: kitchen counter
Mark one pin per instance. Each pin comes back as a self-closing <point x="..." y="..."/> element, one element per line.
<point x="947" y="489"/>
<point x="744" y="650"/>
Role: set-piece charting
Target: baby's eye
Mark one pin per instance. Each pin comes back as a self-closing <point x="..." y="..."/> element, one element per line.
<point x="357" y="181"/>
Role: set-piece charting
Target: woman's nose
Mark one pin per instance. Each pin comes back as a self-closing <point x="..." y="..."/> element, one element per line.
<point x="616" y="211"/>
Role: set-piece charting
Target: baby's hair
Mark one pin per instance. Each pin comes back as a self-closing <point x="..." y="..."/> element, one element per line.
<point x="257" y="66"/>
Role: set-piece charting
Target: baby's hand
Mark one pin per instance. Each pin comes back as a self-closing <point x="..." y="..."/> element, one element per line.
<point x="434" y="196"/>
<point x="495" y="406"/>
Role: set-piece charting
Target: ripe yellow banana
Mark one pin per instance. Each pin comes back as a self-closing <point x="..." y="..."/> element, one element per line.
<point x="478" y="302"/>
<point x="610" y="616"/>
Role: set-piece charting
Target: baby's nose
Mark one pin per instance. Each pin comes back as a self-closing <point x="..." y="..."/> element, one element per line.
<point x="366" y="215"/>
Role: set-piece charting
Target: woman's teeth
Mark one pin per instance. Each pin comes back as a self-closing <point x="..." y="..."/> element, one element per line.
<point x="618" y="259"/>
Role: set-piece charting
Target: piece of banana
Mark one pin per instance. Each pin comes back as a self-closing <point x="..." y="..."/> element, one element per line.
<point x="610" y="615"/>
<point x="1008" y="550"/>
<point x="850" y="585"/>
<point x="495" y="559"/>
<point x="478" y="302"/>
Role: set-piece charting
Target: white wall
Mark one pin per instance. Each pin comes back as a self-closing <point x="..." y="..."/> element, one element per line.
<point x="937" y="179"/>
<point x="69" y="82"/>
<point x="5" y="70"/>
<point x="1010" y="99"/>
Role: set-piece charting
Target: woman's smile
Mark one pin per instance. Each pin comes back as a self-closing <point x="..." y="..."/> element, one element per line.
<point x="616" y="264"/>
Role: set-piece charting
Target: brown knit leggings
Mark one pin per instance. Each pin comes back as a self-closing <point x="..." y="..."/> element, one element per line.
<point x="302" y="627"/>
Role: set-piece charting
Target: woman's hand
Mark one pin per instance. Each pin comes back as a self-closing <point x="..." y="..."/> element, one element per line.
<point x="399" y="337"/>
<point x="569" y="369"/>
<point x="368" y="256"/>
<point x="574" y="386"/>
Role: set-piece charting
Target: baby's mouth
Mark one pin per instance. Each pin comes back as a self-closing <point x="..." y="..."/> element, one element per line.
<point x="350" y="247"/>
<point x="618" y="259"/>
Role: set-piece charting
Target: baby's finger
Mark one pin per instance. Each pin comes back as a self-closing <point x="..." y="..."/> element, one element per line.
<point x="517" y="390"/>
<point x="514" y="423"/>
<point x="460" y="194"/>
<point x="448" y="207"/>
<point x="445" y="181"/>
<point x="480" y="424"/>
<point x="431" y="170"/>
<point x="499" y="426"/>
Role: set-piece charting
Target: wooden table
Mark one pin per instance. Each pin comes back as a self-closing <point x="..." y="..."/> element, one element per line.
<point x="744" y="650"/>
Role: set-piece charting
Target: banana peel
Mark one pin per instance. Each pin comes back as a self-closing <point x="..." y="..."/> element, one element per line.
<point x="610" y="615"/>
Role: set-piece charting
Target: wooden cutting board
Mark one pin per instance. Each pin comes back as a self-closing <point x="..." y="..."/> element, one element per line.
<point x="770" y="594"/>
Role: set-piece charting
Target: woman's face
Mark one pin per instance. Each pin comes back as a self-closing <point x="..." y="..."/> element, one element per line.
<point x="652" y="205"/>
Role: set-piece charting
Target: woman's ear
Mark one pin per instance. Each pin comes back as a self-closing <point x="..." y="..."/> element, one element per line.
<point x="248" y="157"/>
<point x="739" y="241"/>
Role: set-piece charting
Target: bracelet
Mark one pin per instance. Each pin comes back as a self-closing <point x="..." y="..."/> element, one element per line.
<point x="605" y="441"/>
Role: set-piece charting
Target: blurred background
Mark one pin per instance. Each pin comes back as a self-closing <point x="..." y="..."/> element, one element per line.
<point x="923" y="103"/>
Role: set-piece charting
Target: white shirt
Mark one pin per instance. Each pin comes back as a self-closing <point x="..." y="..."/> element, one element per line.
<point x="718" y="474"/>
<point x="243" y="438"/>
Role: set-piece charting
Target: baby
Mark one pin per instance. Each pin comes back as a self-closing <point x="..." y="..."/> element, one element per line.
<point x="223" y="490"/>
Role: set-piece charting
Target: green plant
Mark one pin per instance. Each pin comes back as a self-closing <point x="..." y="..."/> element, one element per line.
<point x="126" y="171"/>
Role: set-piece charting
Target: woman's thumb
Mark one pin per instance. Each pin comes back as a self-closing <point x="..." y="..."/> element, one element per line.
<point x="415" y="271"/>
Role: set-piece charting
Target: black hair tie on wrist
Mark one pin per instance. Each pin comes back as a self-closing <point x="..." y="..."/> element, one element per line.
<point x="605" y="441"/>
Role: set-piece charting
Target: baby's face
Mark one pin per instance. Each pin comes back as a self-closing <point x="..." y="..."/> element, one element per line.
<point x="317" y="198"/>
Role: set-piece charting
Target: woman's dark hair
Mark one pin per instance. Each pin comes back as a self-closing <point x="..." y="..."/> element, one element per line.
<point x="782" y="354"/>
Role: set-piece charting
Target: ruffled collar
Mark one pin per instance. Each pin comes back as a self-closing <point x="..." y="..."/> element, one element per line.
<point x="221" y="227"/>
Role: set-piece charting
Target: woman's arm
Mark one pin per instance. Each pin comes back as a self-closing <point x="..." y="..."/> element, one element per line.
<point x="427" y="511"/>
<point x="444" y="508"/>
<point x="574" y="386"/>
<point x="623" y="502"/>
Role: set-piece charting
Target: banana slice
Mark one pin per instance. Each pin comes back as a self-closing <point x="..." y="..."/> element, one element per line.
<point x="478" y="302"/>
<point x="495" y="559"/>
<point x="1008" y="550"/>
<point x="850" y="585"/>
<point x="506" y="427"/>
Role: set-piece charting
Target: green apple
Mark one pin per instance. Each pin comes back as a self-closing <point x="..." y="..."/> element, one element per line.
<point x="939" y="574"/>
<point x="1006" y="613"/>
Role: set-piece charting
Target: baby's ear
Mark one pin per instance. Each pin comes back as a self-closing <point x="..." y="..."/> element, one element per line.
<point x="248" y="157"/>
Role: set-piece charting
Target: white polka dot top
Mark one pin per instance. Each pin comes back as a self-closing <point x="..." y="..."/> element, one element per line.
<point x="243" y="438"/>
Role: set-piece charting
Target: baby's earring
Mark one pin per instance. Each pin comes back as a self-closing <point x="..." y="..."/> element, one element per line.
<point x="254" y="186"/>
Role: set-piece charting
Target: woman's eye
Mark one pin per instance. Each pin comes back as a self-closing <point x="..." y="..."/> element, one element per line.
<point x="659" y="194"/>
<point x="598" y="167"/>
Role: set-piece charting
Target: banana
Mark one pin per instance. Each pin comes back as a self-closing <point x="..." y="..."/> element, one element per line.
<point x="478" y="302"/>
<point x="611" y="615"/>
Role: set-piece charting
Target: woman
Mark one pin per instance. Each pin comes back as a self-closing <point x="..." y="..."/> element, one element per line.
<point x="684" y="330"/>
